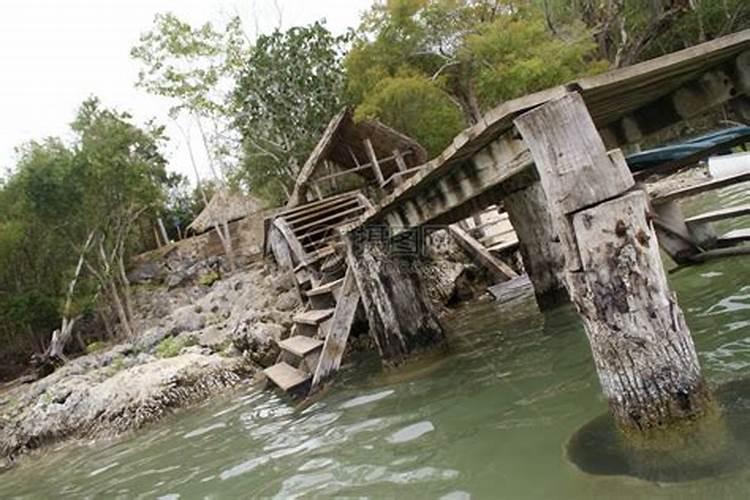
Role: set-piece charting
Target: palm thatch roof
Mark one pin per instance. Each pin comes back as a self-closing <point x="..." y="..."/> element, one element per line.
<point x="225" y="206"/>
<point x="343" y="145"/>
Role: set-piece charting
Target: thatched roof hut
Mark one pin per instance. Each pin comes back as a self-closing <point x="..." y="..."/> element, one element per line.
<point x="368" y="149"/>
<point x="224" y="206"/>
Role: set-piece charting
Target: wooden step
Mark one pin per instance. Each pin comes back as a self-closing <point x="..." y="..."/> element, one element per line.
<point x="734" y="237"/>
<point x="321" y="212"/>
<point x="715" y="215"/>
<point x="327" y="288"/>
<point x="313" y="317"/>
<point x="307" y="207"/>
<point x="286" y="376"/>
<point x="299" y="231"/>
<point x="300" y="345"/>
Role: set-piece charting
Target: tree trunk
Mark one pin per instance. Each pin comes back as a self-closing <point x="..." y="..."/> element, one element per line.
<point x="401" y="316"/>
<point x="539" y="245"/>
<point x="642" y="349"/>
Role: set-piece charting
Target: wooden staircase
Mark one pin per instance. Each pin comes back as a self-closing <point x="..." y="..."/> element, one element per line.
<point x="317" y="343"/>
<point x="319" y="335"/>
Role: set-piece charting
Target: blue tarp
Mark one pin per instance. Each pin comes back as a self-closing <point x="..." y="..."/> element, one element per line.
<point x="656" y="156"/>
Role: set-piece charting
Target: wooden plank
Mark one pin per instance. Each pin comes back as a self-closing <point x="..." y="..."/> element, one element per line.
<point x="327" y="288"/>
<point x="299" y="345"/>
<point x="313" y="317"/>
<point x="574" y="141"/>
<point x="317" y="207"/>
<point x="300" y="230"/>
<point x="503" y="166"/>
<point x="504" y="246"/>
<point x="517" y="288"/>
<point x="286" y="376"/>
<point x="499" y="269"/>
<point x="317" y="154"/>
<point x="374" y="160"/>
<point x="703" y="187"/>
<point x="721" y="214"/>
<point x="291" y="240"/>
<point x="318" y="212"/>
<point x="400" y="163"/>
<point x="734" y="237"/>
<point x="338" y="334"/>
<point x="316" y="204"/>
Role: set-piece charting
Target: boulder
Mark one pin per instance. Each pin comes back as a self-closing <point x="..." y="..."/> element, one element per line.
<point x="258" y="341"/>
<point x="185" y="319"/>
<point x="215" y="337"/>
<point x="287" y="301"/>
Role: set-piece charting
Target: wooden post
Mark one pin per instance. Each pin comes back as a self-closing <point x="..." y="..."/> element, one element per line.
<point x="642" y="348"/>
<point x="674" y="236"/>
<point x="539" y="245"/>
<point x="401" y="316"/>
<point x="374" y="160"/>
<point x="400" y="162"/>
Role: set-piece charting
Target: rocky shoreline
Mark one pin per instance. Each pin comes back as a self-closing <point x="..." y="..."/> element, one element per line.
<point x="201" y="334"/>
<point x="197" y="341"/>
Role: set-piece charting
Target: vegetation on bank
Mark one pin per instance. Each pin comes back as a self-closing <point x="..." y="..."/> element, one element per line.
<point x="72" y="212"/>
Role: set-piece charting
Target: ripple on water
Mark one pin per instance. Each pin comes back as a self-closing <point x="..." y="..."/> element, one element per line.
<point x="364" y="400"/>
<point x="411" y="432"/>
<point x="204" y="430"/>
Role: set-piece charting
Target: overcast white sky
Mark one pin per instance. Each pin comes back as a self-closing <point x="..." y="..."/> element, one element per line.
<point x="55" y="53"/>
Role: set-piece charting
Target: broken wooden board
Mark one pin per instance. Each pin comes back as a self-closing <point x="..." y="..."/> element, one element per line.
<point x="338" y="334"/>
<point x="499" y="269"/>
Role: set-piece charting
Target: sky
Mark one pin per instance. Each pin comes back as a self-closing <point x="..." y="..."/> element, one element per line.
<point x="56" y="53"/>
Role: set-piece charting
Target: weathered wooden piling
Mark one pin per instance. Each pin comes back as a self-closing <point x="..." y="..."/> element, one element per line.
<point x="642" y="348"/>
<point x="401" y="317"/>
<point x="539" y="244"/>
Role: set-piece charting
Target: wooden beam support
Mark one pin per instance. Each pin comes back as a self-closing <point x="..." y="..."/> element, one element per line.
<point x="374" y="160"/>
<point x="643" y="352"/>
<point x="401" y="316"/>
<point x="708" y="90"/>
<point x="400" y="160"/>
<point x="500" y="168"/>
<point x="499" y="270"/>
<point x="539" y="245"/>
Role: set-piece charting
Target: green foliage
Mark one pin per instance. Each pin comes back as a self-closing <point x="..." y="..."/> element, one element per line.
<point x="171" y="346"/>
<point x="289" y="89"/>
<point x="516" y="55"/>
<point x="629" y="31"/>
<point x="95" y="346"/>
<point x="209" y="278"/>
<point x="55" y="197"/>
<point x="417" y="107"/>
<point x="455" y="60"/>
<point x="117" y="365"/>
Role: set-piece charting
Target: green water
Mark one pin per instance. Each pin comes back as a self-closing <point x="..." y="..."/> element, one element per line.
<point x="490" y="419"/>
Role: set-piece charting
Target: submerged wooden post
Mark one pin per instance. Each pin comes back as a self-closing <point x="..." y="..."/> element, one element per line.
<point x="401" y="317"/>
<point x="539" y="245"/>
<point x="642" y="348"/>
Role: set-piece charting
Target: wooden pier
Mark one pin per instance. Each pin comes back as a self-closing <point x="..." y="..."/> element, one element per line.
<point x="586" y="231"/>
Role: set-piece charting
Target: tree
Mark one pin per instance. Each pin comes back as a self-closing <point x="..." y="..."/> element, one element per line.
<point x="67" y="214"/>
<point x="629" y="31"/>
<point x="195" y="67"/>
<point x="290" y="87"/>
<point x="476" y="53"/>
